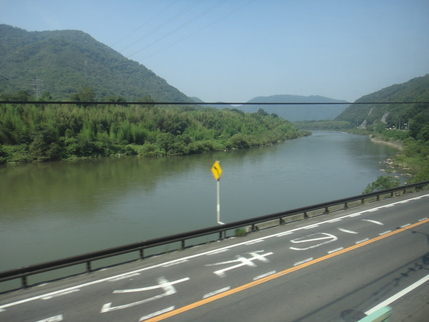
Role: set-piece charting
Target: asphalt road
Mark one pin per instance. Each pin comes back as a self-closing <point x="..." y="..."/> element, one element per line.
<point x="335" y="267"/>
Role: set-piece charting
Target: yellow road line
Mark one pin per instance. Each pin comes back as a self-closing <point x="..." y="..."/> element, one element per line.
<point x="279" y="274"/>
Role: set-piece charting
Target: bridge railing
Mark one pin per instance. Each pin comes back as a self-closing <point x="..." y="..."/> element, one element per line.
<point x="217" y="232"/>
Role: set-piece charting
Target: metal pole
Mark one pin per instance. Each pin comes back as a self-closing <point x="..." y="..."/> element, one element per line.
<point x="218" y="203"/>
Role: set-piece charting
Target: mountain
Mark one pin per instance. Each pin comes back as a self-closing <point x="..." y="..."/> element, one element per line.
<point x="297" y="112"/>
<point x="63" y="62"/>
<point x="398" y="115"/>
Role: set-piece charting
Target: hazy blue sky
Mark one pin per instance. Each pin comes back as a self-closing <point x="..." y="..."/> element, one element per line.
<point x="234" y="50"/>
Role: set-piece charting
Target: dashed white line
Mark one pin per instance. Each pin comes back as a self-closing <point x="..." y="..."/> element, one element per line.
<point x="361" y="241"/>
<point x="373" y="221"/>
<point x="285" y="233"/>
<point x="264" y="275"/>
<point x="347" y="231"/>
<point x="175" y="263"/>
<point x="423" y="219"/>
<point x="168" y="309"/>
<point x="124" y="277"/>
<point x="303" y="261"/>
<point x="214" y="252"/>
<point x="335" y="250"/>
<point x="385" y="232"/>
<point x="254" y="242"/>
<point x="311" y="226"/>
<point x="59" y="294"/>
<point x="406" y="225"/>
<point x="217" y="292"/>
<point x="55" y="318"/>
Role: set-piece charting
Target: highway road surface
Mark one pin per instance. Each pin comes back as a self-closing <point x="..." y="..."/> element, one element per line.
<point x="335" y="267"/>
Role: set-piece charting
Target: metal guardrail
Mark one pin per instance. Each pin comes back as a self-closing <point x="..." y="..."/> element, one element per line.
<point x="252" y="225"/>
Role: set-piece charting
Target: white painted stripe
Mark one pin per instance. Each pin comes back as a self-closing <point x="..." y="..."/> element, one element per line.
<point x="398" y="295"/>
<point x="168" y="309"/>
<point x="59" y="294"/>
<point x="53" y="318"/>
<point x="423" y="219"/>
<point x="285" y="233"/>
<point x="347" y="231"/>
<point x="211" y="252"/>
<point x="385" y="232"/>
<point x="124" y="277"/>
<point x="264" y="275"/>
<point x="303" y="261"/>
<point x="311" y="226"/>
<point x="373" y="221"/>
<point x="334" y="220"/>
<point x="254" y="242"/>
<point x="175" y="263"/>
<point x="361" y="241"/>
<point x="406" y="225"/>
<point x="217" y="292"/>
<point x="335" y="250"/>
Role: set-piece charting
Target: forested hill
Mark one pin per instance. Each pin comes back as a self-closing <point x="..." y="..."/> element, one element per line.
<point x="64" y="62"/>
<point x="298" y="112"/>
<point x="415" y="90"/>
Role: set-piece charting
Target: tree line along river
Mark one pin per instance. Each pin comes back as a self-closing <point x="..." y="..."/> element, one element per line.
<point x="55" y="210"/>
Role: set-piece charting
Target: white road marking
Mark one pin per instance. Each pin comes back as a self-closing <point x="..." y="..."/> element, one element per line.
<point x="311" y="226"/>
<point x="253" y="242"/>
<point x="59" y="294"/>
<point x="163" y="283"/>
<point x="217" y="251"/>
<point x="361" y="241"/>
<point x="264" y="275"/>
<point x="175" y="263"/>
<point x="303" y="261"/>
<point x="334" y="220"/>
<point x="211" y="252"/>
<point x="335" y="250"/>
<point x="406" y="225"/>
<point x="373" y="221"/>
<point x="324" y="237"/>
<point x="423" y="219"/>
<point x="398" y="295"/>
<point x="385" y="232"/>
<point x="168" y="309"/>
<point x="242" y="261"/>
<point x="55" y="318"/>
<point x="285" y="233"/>
<point x="347" y="231"/>
<point x="217" y="292"/>
<point x="124" y="277"/>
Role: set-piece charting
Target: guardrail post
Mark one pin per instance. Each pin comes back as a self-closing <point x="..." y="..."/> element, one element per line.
<point x="305" y="215"/>
<point x="183" y="244"/>
<point x="88" y="266"/>
<point x="24" y="281"/>
<point x="346" y="206"/>
<point x="326" y="210"/>
<point x="281" y="221"/>
<point x="141" y="253"/>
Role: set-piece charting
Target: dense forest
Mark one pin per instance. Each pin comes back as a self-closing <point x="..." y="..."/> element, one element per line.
<point x="46" y="132"/>
<point x="62" y="62"/>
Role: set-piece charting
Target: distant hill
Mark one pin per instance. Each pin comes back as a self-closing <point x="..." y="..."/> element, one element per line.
<point x="416" y="90"/>
<point x="297" y="112"/>
<point x="63" y="62"/>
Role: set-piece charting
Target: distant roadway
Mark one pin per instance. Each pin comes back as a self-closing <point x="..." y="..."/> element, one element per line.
<point x="333" y="267"/>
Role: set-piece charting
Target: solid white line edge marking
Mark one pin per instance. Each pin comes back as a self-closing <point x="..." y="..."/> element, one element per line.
<point x="398" y="295"/>
<point x="38" y="297"/>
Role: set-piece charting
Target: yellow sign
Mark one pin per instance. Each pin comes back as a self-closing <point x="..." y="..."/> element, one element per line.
<point x="217" y="170"/>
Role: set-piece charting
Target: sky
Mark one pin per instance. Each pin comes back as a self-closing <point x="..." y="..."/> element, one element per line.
<point x="235" y="50"/>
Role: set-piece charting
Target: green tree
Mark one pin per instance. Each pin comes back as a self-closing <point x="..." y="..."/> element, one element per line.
<point x="382" y="183"/>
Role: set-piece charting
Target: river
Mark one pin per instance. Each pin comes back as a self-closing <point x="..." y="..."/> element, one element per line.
<point x="55" y="210"/>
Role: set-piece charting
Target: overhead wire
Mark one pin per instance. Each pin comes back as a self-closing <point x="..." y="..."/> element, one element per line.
<point x="145" y="23"/>
<point x="165" y="23"/>
<point x="199" y="30"/>
<point x="181" y="26"/>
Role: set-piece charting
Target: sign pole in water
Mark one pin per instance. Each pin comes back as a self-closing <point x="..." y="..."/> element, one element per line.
<point x="217" y="171"/>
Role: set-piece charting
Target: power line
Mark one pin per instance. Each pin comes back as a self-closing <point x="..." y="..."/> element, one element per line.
<point x="234" y="104"/>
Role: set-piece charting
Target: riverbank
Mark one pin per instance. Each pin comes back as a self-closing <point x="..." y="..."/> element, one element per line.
<point x="397" y="144"/>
